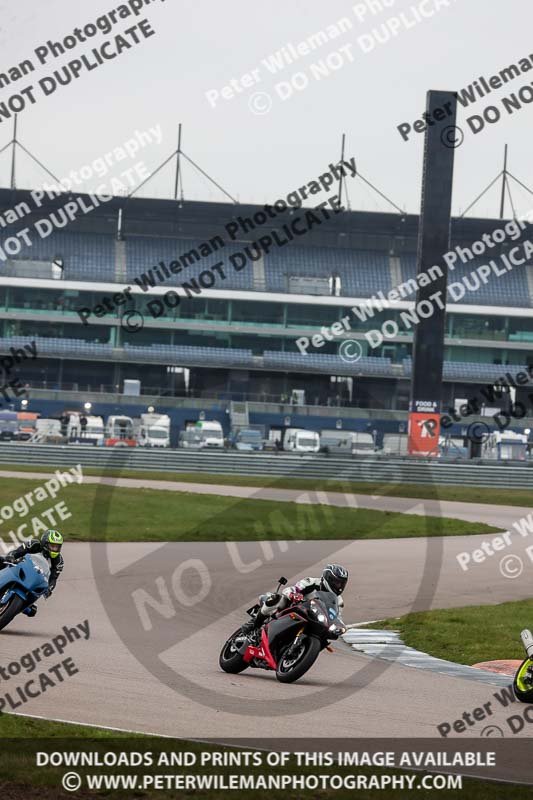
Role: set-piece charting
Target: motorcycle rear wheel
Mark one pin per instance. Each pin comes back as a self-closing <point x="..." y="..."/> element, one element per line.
<point x="292" y="667"/>
<point x="523" y="691"/>
<point x="9" y="610"/>
<point x="230" y="660"/>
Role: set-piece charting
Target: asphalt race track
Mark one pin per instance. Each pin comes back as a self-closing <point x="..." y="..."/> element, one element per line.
<point x="113" y="689"/>
<point x="164" y="678"/>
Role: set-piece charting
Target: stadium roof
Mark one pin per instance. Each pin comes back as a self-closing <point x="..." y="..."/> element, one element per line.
<point x="195" y="219"/>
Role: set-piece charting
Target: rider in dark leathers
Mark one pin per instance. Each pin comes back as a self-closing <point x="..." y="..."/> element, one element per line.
<point x="50" y="547"/>
<point x="333" y="579"/>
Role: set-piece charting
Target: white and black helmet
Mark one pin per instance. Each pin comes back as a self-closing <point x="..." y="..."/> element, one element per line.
<point x="334" y="579"/>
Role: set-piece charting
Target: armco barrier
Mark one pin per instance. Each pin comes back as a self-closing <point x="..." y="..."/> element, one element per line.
<point x="371" y="468"/>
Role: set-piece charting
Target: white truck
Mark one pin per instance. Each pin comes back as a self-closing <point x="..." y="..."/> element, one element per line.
<point x="210" y="431"/>
<point x="119" y="432"/>
<point x="47" y="430"/>
<point x="92" y="432"/>
<point x="363" y="444"/>
<point x="505" y="446"/>
<point x="154" y="430"/>
<point x="299" y="440"/>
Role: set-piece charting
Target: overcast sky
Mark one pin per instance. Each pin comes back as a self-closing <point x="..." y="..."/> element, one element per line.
<point x="201" y="45"/>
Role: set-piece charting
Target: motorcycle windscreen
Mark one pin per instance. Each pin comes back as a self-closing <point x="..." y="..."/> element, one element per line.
<point x="330" y="604"/>
<point x="41" y="565"/>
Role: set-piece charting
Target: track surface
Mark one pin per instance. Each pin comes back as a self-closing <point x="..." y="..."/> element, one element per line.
<point x="114" y="689"/>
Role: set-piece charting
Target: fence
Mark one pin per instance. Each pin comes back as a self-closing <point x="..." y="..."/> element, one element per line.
<point x="367" y="469"/>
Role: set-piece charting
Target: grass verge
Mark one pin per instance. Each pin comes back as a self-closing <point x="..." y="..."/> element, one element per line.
<point x="454" y="634"/>
<point x="21" y="779"/>
<point x="466" y="494"/>
<point x="149" y="515"/>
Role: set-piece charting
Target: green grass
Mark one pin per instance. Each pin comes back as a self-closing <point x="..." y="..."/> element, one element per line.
<point x="454" y="634"/>
<point x="467" y="494"/>
<point x="21" y="779"/>
<point x="106" y="513"/>
<point x="14" y="727"/>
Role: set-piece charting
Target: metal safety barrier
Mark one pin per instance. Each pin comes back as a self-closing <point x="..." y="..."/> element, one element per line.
<point x="372" y="468"/>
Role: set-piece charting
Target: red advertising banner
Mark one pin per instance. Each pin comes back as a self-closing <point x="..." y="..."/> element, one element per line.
<point x="424" y="430"/>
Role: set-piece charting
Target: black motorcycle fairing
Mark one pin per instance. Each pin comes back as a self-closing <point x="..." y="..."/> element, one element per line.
<point x="305" y="614"/>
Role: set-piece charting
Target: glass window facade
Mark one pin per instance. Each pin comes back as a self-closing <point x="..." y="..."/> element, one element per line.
<point x="510" y="335"/>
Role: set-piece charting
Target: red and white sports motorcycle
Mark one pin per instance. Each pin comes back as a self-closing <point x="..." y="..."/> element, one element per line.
<point x="290" y="641"/>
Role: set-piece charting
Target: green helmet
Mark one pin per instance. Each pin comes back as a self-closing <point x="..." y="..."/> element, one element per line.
<point x="51" y="542"/>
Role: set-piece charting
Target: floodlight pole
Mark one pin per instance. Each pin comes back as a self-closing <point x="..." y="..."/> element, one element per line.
<point x="504" y="184"/>
<point x="14" y="153"/>
<point x="341" y="175"/>
<point x="178" y="156"/>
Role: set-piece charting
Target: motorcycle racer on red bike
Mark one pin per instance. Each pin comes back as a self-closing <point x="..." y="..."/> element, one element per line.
<point x="333" y="579"/>
<point x="289" y="628"/>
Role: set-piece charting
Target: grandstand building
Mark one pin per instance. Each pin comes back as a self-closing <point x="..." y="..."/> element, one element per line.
<point x="236" y="338"/>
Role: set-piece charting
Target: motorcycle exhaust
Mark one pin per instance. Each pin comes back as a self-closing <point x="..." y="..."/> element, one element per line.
<point x="244" y="647"/>
<point x="527" y="641"/>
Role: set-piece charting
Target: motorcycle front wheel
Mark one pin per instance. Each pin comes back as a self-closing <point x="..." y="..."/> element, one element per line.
<point x="230" y="660"/>
<point x="297" y="658"/>
<point x="522" y="689"/>
<point x="9" y="610"/>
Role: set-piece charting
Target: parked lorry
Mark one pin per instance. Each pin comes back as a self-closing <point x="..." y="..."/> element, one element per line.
<point x="8" y="426"/>
<point x="247" y="439"/>
<point x="335" y="442"/>
<point x="94" y="431"/>
<point x="119" y="432"/>
<point x="363" y="444"/>
<point x="190" y="439"/>
<point x="211" y="433"/>
<point x="300" y="440"/>
<point x="85" y="429"/>
<point x="48" y="431"/>
<point x="153" y="430"/>
<point x="505" y="446"/>
<point x="26" y="421"/>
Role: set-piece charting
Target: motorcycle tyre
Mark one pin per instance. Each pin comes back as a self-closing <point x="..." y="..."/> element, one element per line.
<point x="13" y="607"/>
<point x="303" y="665"/>
<point x="235" y="662"/>
<point x="525" y="696"/>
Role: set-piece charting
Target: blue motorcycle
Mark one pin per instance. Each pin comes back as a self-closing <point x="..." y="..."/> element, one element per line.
<point x="21" y="585"/>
